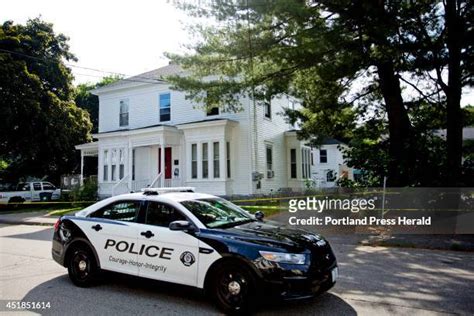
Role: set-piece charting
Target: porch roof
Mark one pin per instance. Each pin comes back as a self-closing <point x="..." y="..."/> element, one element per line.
<point x="161" y="127"/>
<point x="89" y="149"/>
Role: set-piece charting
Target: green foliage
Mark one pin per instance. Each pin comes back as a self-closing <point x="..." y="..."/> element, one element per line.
<point x="87" y="192"/>
<point x="468" y="115"/>
<point x="40" y="124"/>
<point x="3" y="165"/>
<point x="89" y="102"/>
<point x="348" y="183"/>
<point x="348" y="62"/>
<point x="308" y="184"/>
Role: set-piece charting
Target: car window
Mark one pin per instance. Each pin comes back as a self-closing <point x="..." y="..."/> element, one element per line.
<point x="125" y="211"/>
<point x="23" y="187"/>
<point x="159" y="214"/>
<point x="48" y="186"/>
<point x="217" y="213"/>
<point x="37" y="186"/>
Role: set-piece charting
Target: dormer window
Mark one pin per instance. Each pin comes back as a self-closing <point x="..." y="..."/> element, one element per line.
<point x="123" y="118"/>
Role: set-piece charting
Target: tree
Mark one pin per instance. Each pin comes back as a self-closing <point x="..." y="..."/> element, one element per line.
<point x="348" y="61"/>
<point x="40" y="124"/>
<point x="90" y="102"/>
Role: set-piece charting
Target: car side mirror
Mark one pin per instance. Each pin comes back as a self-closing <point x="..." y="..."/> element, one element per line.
<point x="259" y="215"/>
<point x="180" y="225"/>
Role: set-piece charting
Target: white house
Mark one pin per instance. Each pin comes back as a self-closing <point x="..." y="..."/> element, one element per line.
<point x="150" y="135"/>
<point x="330" y="164"/>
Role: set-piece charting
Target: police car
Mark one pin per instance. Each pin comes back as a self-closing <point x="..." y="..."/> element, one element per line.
<point x="194" y="239"/>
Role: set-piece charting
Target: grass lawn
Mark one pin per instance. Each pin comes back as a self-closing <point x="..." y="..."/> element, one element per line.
<point x="64" y="211"/>
<point x="268" y="210"/>
<point x="52" y="209"/>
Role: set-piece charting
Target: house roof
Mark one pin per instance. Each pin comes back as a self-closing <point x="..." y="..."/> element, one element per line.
<point x="332" y="141"/>
<point x="153" y="76"/>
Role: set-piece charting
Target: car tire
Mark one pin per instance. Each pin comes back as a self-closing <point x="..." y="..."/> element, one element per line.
<point x="45" y="197"/>
<point x="82" y="267"/>
<point x="15" y="201"/>
<point x="233" y="287"/>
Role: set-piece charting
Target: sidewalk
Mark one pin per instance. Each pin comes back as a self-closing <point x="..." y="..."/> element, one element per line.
<point x="28" y="218"/>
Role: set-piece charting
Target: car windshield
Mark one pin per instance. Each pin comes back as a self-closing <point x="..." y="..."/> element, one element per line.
<point x="217" y="213"/>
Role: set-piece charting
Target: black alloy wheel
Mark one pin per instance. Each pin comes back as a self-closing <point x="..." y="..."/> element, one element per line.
<point x="82" y="267"/>
<point x="234" y="289"/>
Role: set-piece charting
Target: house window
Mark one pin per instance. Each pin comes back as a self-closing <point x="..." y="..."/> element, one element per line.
<point x="323" y="156"/>
<point x="213" y="111"/>
<point x="268" y="108"/>
<point x="114" y="165"/>
<point x="269" y="158"/>
<point x="121" y="164"/>
<point x="165" y="107"/>
<point x="205" y="161"/>
<point x="305" y="167"/>
<point x="312" y="159"/>
<point x="308" y="162"/>
<point x="133" y="164"/>
<point x="227" y="154"/>
<point x="216" y="160"/>
<point x="123" y="119"/>
<point x="106" y="165"/>
<point x="293" y="163"/>
<point x="194" y="166"/>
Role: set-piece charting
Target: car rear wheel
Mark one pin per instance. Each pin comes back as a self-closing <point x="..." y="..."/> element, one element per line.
<point x="233" y="288"/>
<point x="82" y="267"/>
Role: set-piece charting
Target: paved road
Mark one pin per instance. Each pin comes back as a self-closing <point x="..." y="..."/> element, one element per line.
<point x="373" y="281"/>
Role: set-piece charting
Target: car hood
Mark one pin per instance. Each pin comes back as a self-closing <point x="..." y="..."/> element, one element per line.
<point x="273" y="234"/>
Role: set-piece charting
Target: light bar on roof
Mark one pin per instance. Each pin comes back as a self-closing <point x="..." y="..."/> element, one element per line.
<point x="157" y="191"/>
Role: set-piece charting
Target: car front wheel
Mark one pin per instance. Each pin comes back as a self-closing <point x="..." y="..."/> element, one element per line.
<point x="234" y="289"/>
<point x="82" y="267"/>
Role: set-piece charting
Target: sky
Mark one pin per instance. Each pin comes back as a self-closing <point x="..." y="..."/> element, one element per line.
<point x="125" y="37"/>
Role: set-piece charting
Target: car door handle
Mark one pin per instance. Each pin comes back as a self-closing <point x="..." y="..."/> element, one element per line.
<point x="97" y="227"/>
<point x="147" y="234"/>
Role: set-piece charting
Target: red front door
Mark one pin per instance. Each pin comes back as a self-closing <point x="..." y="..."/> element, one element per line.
<point x="167" y="162"/>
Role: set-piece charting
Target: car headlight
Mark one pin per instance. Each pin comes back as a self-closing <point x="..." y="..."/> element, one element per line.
<point x="281" y="257"/>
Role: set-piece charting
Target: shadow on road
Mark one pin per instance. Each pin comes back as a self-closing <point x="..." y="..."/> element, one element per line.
<point x="122" y="294"/>
<point x="42" y="235"/>
<point x="437" y="281"/>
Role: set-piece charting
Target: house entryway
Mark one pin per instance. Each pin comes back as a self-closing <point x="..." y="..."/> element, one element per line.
<point x="168" y="162"/>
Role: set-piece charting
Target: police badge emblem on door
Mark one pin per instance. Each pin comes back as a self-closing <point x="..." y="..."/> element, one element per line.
<point x="187" y="258"/>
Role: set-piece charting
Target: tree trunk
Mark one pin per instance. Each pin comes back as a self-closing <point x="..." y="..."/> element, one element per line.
<point x="398" y="125"/>
<point x="453" y="93"/>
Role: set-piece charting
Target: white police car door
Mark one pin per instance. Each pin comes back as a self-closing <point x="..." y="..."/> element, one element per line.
<point x="112" y="230"/>
<point x="172" y="255"/>
<point x="35" y="193"/>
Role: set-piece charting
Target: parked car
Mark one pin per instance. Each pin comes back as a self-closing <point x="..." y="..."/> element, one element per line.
<point x="31" y="191"/>
<point x="198" y="240"/>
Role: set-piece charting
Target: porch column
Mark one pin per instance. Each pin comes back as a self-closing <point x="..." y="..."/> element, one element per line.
<point x="82" y="167"/>
<point x="162" y="163"/>
<point x="130" y="166"/>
